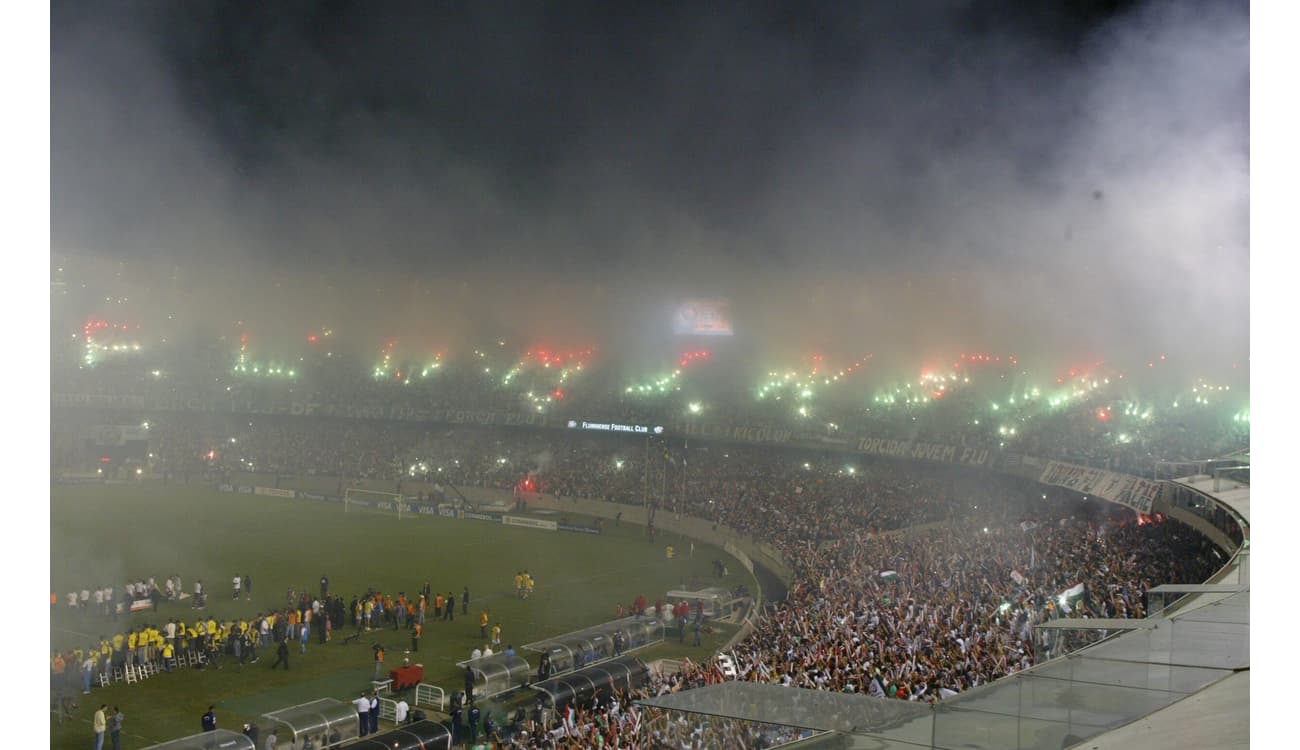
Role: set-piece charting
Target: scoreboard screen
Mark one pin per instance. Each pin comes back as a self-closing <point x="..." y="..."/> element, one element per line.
<point x="703" y="317"/>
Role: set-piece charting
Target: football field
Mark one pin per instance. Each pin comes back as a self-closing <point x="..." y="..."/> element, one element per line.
<point x="112" y="533"/>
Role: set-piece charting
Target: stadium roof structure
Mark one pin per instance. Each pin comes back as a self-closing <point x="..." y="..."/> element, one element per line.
<point x="1197" y="648"/>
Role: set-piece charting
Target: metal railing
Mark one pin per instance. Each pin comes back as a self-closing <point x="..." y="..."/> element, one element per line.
<point x="431" y="696"/>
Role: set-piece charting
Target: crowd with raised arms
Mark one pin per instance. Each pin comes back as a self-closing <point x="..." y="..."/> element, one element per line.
<point x="954" y="610"/>
<point x="923" y="615"/>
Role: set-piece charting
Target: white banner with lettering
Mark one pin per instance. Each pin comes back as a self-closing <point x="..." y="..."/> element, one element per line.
<point x="1124" y="489"/>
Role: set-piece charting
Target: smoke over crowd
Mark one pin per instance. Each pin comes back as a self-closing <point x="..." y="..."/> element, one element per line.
<point x="855" y="178"/>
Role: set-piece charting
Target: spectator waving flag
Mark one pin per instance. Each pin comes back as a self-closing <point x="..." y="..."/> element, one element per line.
<point x="1068" y="597"/>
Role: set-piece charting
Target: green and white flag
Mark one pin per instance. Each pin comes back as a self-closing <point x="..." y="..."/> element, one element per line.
<point x="1069" y="596"/>
<point x="889" y="576"/>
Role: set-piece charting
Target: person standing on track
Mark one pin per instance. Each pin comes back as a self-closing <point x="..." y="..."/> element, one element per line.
<point x="115" y="727"/>
<point x="464" y="601"/>
<point x="282" y="654"/>
<point x="100" y="724"/>
<point x="363" y="713"/>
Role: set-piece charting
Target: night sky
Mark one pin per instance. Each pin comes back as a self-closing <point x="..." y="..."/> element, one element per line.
<point x="1040" y="172"/>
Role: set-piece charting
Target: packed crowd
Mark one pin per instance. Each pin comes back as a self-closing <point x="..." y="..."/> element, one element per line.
<point x="962" y="417"/>
<point x="916" y="616"/>
<point x="932" y="614"/>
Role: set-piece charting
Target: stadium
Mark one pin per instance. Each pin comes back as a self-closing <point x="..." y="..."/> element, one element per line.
<point x="893" y="569"/>
<point x="665" y="376"/>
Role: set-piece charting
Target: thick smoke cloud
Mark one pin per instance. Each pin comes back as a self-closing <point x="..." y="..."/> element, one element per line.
<point x="896" y="178"/>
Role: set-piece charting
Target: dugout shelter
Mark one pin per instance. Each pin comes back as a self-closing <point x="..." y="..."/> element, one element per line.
<point x="420" y="735"/>
<point x="498" y="673"/>
<point x="593" y="645"/>
<point x="624" y="673"/>
<point x="326" y="723"/>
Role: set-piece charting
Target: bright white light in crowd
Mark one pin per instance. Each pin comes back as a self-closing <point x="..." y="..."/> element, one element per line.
<point x="986" y="529"/>
<point x="807" y="465"/>
<point x="618" y="464"/>
<point x="232" y="441"/>
<point x="1005" y="606"/>
<point x="501" y="460"/>
<point x="852" y="470"/>
<point x="138" y="472"/>
<point x="145" y="425"/>
<point x="695" y="407"/>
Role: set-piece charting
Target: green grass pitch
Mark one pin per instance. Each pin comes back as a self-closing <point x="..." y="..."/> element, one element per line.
<point x="111" y="533"/>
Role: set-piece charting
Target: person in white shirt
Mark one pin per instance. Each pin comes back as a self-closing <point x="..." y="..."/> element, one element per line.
<point x="363" y="713"/>
<point x="235" y="581"/>
<point x="477" y="653"/>
<point x="401" y="710"/>
<point x="487" y="651"/>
